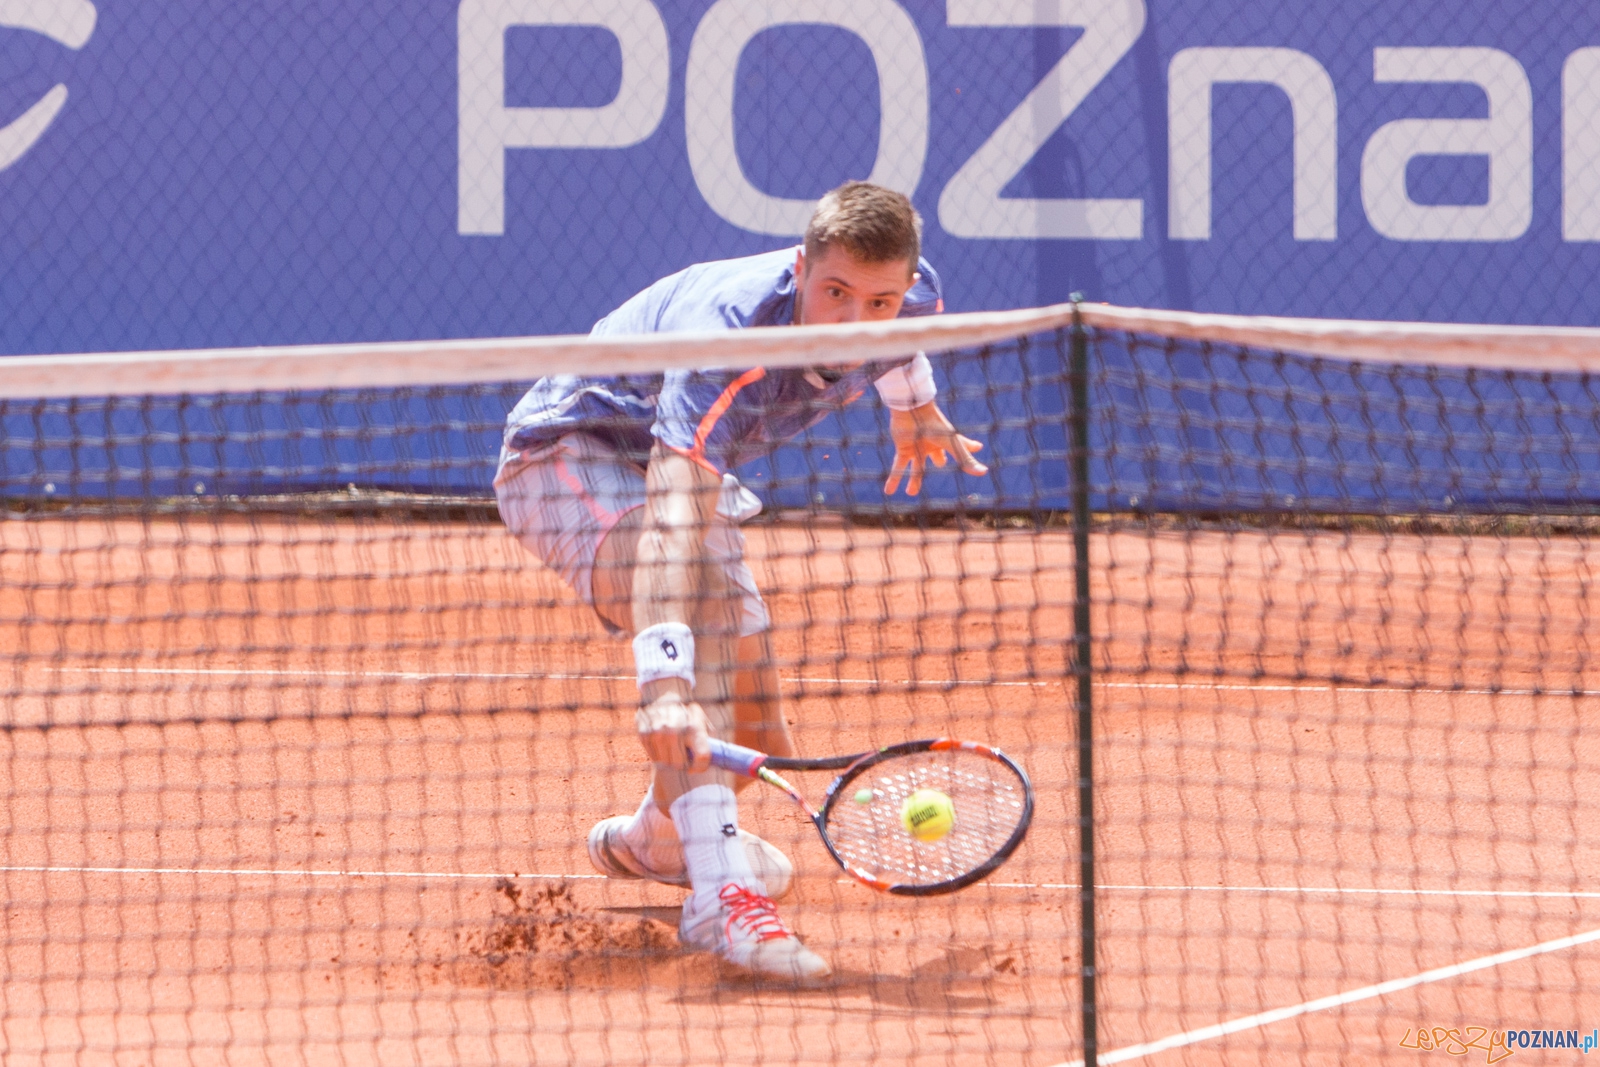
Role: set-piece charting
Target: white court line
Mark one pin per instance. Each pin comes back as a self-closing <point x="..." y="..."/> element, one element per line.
<point x="929" y="683"/>
<point x="422" y="676"/>
<point x="291" y="872"/>
<point x="1436" y="690"/>
<point x="393" y="676"/>
<point x="1313" y="890"/>
<point x="1337" y="1000"/>
<point x="301" y="872"/>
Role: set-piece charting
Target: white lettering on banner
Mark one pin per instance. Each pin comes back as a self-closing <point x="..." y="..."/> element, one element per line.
<point x="1580" y="146"/>
<point x="971" y="205"/>
<point x="1312" y="103"/>
<point x="1505" y="137"/>
<point x="67" y="22"/>
<point x="720" y="40"/>
<point x="488" y="127"/>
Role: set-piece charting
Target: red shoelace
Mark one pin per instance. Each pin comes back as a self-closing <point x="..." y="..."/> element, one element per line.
<point x="756" y="913"/>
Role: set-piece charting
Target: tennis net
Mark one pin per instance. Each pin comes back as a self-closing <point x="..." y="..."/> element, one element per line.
<point x="302" y="747"/>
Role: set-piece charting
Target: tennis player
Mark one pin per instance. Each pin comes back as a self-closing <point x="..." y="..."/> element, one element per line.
<point x="623" y="485"/>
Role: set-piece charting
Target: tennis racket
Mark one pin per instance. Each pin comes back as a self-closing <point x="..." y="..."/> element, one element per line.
<point x="861" y="823"/>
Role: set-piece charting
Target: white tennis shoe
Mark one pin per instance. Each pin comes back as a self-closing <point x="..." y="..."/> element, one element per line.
<point x="742" y="928"/>
<point x="613" y="855"/>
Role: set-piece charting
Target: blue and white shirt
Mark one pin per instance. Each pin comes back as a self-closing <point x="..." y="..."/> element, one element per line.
<point x="719" y="418"/>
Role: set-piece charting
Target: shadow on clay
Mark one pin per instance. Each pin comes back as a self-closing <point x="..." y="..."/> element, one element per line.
<point x="961" y="979"/>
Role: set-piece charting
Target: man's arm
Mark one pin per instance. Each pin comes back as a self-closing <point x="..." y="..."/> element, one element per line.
<point x="668" y="588"/>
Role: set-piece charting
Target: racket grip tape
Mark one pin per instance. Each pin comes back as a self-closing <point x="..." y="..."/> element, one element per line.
<point x="736" y="758"/>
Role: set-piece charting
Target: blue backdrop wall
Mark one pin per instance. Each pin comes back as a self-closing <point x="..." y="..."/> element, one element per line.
<point x="184" y="174"/>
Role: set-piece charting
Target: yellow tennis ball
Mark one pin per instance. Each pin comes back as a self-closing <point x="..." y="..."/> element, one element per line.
<point x="928" y="814"/>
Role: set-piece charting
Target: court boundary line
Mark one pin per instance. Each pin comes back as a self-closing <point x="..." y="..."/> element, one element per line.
<point x="1337" y="1000"/>
<point x="312" y="872"/>
<point x="927" y="683"/>
<point x="294" y="872"/>
<point x="1316" y="890"/>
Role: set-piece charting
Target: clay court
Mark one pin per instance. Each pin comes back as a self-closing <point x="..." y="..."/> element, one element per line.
<point x="1260" y="340"/>
<point x="291" y="790"/>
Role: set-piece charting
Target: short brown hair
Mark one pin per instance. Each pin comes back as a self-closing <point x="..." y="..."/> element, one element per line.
<point x="874" y="224"/>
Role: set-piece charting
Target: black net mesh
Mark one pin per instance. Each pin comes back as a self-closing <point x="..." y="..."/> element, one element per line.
<point x="1342" y="681"/>
<point x="302" y="748"/>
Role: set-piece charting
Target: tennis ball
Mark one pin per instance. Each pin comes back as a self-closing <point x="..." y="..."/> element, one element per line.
<point x="928" y="815"/>
<point x="864" y="796"/>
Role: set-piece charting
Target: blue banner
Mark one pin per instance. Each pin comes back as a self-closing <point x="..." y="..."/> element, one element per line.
<point x="185" y="175"/>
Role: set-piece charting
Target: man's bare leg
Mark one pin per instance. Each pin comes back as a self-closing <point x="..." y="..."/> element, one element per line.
<point x="716" y="646"/>
<point x="683" y="598"/>
<point x="758" y="720"/>
<point x="757" y="716"/>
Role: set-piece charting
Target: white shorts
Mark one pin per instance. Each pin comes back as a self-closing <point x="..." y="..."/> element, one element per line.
<point x="562" y="500"/>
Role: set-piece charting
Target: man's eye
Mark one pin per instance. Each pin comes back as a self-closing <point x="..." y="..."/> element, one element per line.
<point x="835" y="292"/>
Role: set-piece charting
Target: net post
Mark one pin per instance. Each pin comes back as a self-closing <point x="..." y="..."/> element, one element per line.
<point x="1078" y="421"/>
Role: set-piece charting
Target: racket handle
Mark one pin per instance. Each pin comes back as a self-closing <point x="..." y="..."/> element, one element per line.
<point x="736" y="758"/>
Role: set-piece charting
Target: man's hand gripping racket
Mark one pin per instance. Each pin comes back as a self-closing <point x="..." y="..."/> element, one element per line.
<point x="916" y="819"/>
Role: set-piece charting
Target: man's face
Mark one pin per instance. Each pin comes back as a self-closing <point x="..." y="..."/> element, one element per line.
<point x="838" y="287"/>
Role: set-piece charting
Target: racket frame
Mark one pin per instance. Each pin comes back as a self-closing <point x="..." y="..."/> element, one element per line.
<point x="759" y="765"/>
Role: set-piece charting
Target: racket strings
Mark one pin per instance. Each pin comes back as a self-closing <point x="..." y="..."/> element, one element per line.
<point x="866" y="827"/>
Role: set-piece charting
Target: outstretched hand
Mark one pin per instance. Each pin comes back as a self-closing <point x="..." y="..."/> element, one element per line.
<point x="924" y="434"/>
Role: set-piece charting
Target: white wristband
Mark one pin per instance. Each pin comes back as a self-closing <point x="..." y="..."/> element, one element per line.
<point x="665" y="650"/>
<point x="909" y="386"/>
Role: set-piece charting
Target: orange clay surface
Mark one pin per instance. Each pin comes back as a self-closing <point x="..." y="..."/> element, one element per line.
<point x="315" y="792"/>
